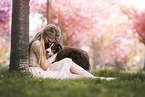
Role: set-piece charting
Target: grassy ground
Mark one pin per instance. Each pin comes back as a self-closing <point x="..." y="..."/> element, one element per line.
<point x="126" y="85"/>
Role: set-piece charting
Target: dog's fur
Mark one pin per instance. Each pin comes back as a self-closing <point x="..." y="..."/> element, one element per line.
<point x="77" y="55"/>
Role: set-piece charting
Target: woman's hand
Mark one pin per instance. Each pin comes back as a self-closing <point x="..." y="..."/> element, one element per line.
<point x="48" y="62"/>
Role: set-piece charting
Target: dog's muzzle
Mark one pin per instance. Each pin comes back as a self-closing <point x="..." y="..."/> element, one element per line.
<point x="49" y="51"/>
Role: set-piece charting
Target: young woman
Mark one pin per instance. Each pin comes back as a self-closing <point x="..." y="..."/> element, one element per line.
<point x="41" y="67"/>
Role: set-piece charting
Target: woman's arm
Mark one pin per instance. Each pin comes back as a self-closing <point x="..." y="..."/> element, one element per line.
<point x="47" y="63"/>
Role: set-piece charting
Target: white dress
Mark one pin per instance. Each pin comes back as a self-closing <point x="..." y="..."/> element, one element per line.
<point x="57" y="70"/>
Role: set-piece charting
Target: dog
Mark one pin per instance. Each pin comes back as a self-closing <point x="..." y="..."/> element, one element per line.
<point x="80" y="57"/>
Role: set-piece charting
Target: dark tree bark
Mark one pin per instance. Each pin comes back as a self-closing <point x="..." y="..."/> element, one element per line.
<point x="19" y="35"/>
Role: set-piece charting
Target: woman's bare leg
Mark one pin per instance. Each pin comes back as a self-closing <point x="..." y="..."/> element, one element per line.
<point x="68" y="68"/>
<point x="75" y="76"/>
<point x="76" y="69"/>
<point x="79" y="72"/>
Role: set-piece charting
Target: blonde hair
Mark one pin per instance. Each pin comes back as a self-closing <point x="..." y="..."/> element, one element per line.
<point x="40" y="36"/>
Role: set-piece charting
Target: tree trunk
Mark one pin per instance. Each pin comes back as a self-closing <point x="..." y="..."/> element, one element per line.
<point x="19" y="35"/>
<point x="97" y="55"/>
<point x="48" y="12"/>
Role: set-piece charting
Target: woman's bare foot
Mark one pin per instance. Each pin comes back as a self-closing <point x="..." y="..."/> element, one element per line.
<point x="107" y="78"/>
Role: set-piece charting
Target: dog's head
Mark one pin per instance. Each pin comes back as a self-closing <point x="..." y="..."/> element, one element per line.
<point x="53" y="49"/>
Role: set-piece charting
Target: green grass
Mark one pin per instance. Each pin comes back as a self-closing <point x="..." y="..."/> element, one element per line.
<point x="126" y="85"/>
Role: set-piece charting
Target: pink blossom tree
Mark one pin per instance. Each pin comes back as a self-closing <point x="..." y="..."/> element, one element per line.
<point x="5" y="13"/>
<point x="139" y="25"/>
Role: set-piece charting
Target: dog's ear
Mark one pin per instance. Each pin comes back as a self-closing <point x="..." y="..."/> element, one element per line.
<point x="57" y="47"/>
<point x="60" y="47"/>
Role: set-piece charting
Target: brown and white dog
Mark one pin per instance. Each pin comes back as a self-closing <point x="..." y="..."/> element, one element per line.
<point x="77" y="55"/>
